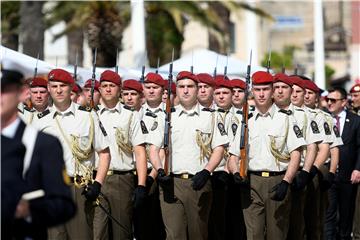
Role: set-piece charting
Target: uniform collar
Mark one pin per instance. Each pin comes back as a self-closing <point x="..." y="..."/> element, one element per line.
<point x="157" y="109"/>
<point x="117" y="108"/>
<point x="193" y="111"/>
<point x="71" y="110"/>
<point x="270" y="112"/>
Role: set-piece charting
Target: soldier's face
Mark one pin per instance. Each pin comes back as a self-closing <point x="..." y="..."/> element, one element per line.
<point x="282" y="94"/>
<point x="39" y="97"/>
<point x="205" y="94"/>
<point x="131" y="98"/>
<point x="74" y="96"/>
<point x="164" y="96"/>
<point x="222" y="97"/>
<point x="153" y="92"/>
<point x="109" y="91"/>
<point x="355" y="98"/>
<point x="310" y="98"/>
<point x="187" y="90"/>
<point x="9" y="99"/>
<point x="238" y="97"/>
<point x="87" y="94"/>
<point x="297" y="96"/>
<point x="262" y="95"/>
<point x="60" y="92"/>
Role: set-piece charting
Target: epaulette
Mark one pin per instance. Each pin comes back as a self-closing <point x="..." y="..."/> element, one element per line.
<point x="239" y="112"/>
<point x="299" y="109"/>
<point x="288" y="112"/>
<point x="43" y="114"/>
<point x="29" y="109"/>
<point x="85" y="108"/>
<point x="222" y="110"/>
<point x="151" y="114"/>
<point x="208" y="110"/>
<point x="250" y="115"/>
<point x="129" y="108"/>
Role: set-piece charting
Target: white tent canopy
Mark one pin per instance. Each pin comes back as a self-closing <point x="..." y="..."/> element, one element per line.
<point x="204" y="61"/>
<point x="26" y="65"/>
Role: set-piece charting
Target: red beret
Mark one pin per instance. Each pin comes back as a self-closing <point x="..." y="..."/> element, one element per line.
<point x="221" y="82"/>
<point x="238" y="83"/>
<point x="186" y="75"/>
<point x="76" y="88"/>
<point x="355" y="88"/>
<point x="206" y="78"/>
<point x="38" y="82"/>
<point x="281" y="77"/>
<point x="110" y="76"/>
<point x="154" y="78"/>
<point x="132" y="84"/>
<point x="262" y="77"/>
<point x="297" y="81"/>
<point x="88" y="84"/>
<point x="308" y="84"/>
<point x="60" y="75"/>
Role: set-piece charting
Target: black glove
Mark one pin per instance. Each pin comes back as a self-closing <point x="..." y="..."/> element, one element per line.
<point x="327" y="181"/>
<point x="161" y="177"/>
<point x="280" y="190"/>
<point x="200" y="179"/>
<point x="149" y="182"/>
<point x="300" y="180"/>
<point x="139" y="196"/>
<point x="92" y="191"/>
<point x="238" y="180"/>
<point x="313" y="171"/>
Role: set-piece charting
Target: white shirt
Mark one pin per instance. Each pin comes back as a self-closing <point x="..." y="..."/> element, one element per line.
<point x="10" y="130"/>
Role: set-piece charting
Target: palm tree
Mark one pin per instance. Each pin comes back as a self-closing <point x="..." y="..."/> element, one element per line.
<point x="32" y="28"/>
<point x="102" y="22"/>
<point x="10" y="21"/>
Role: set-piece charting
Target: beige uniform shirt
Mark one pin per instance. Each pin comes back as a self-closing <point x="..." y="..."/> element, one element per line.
<point x="123" y="127"/>
<point x="25" y="113"/>
<point x="75" y="121"/>
<point x="276" y="126"/>
<point x="324" y="127"/>
<point x="191" y="129"/>
<point x="153" y="119"/>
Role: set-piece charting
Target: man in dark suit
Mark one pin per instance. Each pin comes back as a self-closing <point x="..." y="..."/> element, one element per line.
<point x="343" y="191"/>
<point x="32" y="162"/>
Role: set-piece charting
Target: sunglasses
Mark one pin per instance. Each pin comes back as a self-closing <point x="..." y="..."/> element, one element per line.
<point x="332" y="100"/>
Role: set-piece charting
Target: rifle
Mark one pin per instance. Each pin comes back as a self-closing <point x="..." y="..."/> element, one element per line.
<point x="36" y="65"/>
<point x="158" y="63"/>
<point x="117" y="61"/>
<point x="217" y="58"/>
<point x="192" y="62"/>
<point x="296" y="70"/>
<point x="142" y="78"/>
<point x="269" y="60"/>
<point x="225" y="68"/>
<point x="168" y="117"/>
<point x="75" y="66"/>
<point x="93" y="80"/>
<point x="244" y="126"/>
<point x="283" y="68"/>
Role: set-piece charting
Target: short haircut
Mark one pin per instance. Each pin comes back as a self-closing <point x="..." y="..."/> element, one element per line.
<point x="341" y="90"/>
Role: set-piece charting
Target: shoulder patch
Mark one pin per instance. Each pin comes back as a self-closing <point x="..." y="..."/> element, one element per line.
<point x="43" y="114"/>
<point x="288" y="112"/>
<point x="85" y="108"/>
<point x="314" y="127"/>
<point x="102" y="128"/>
<point x="327" y="128"/>
<point x="221" y="128"/>
<point x="154" y="126"/>
<point x="208" y="110"/>
<point x="336" y="131"/>
<point x="150" y="114"/>
<point x="129" y="108"/>
<point x="234" y="127"/>
<point x="143" y="127"/>
<point x="297" y="131"/>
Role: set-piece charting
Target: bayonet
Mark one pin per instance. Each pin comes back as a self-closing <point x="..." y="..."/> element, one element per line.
<point x="75" y="66"/>
<point x="117" y="61"/>
<point x="217" y="58"/>
<point x="225" y="68"/>
<point x="269" y="59"/>
<point x="192" y="62"/>
<point x="93" y="77"/>
<point x="36" y="65"/>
